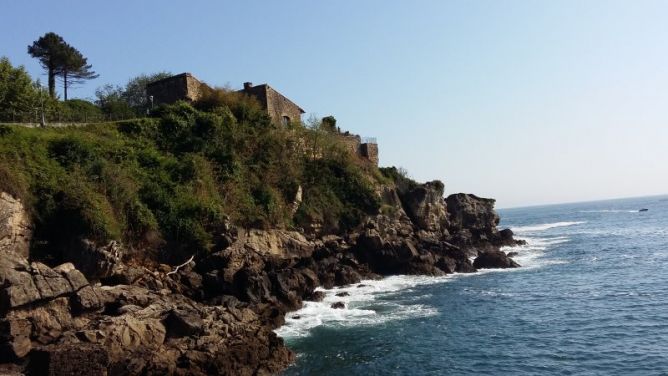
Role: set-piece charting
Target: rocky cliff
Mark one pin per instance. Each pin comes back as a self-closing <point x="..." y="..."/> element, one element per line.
<point x="107" y="312"/>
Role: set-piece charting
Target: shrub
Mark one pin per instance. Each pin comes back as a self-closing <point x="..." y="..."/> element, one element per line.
<point x="178" y="175"/>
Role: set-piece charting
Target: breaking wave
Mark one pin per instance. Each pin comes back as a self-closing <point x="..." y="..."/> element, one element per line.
<point x="370" y="302"/>
<point x="544" y="226"/>
<point x="374" y="302"/>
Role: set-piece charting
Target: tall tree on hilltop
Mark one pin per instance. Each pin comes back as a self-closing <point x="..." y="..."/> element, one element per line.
<point x="49" y="49"/>
<point x="59" y="59"/>
<point x="74" y="69"/>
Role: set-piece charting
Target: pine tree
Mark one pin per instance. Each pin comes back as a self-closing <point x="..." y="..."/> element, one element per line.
<point x="75" y="69"/>
<point x="50" y="51"/>
<point x="59" y="59"/>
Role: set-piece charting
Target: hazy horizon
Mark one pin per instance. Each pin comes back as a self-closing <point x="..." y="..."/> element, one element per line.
<point x="529" y="103"/>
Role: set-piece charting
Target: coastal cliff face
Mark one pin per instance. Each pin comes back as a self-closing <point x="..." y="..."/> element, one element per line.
<point x="177" y="243"/>
<point x="107" y="312"/>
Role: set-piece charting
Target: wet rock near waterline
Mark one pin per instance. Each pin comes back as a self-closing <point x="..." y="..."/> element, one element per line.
<point x="494" y="260"/>
<point x="338" y="305"/>
<point x="217" y="313"/>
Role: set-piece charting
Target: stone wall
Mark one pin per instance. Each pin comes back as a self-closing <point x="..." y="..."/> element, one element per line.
<point x="180" y="87"/>
<point x="353" y="143"/>
<point x="370" y="151"/>
<point x="280" y="108"/>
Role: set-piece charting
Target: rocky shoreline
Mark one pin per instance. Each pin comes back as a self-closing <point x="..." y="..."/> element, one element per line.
<point x="107" y="311"/>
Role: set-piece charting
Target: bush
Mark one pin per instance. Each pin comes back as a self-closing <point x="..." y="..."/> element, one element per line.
<point x="178" y="176"/>
<point x="79" y="110"/>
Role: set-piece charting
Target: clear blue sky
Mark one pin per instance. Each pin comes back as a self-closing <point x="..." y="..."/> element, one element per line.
<point x="529" y="102"/>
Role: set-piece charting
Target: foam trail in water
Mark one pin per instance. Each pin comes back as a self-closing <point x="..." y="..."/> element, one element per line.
<point x="366" y="304"/>
<point x="373" y="302"/>
<point x="608" y="211"/>
<point x="531" y="254"/>
<point x="544" y="226"/>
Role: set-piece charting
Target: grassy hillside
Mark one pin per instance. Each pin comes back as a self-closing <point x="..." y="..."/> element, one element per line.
<point x="170" y="182"/>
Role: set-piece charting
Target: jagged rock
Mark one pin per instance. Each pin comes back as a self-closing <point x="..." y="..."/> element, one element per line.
<point x="127" y="275"/>
<point x="392" y="258"/>
<point x="18" y="287"/>
<point x="132" y="331"/>
<point x="494" y="259"/>
<point x="48" y="320"/>
<point x="15" y="226"/>
<point x="507" y="238"/>
<point x="371" y="240"/>
<point x="11" y="370"/>
<point x="316" y="296"/>
<point x="72" y="359"/>
<point x="346" y="275"/>
<point x="506" y="234"/>
<point x="76" y="279"/>
<point x="183" y="322"/>
<point x="338" y="305"/>
<point x="425" y="206"/>
<point x="472" y="213"/>
<point x="297" y="200"/>
<point x="342" y="294"/>
<point x="276" y="243"/>
<point x="95" y="261"/>
<point x="49" y="282"/>
<point x="14" y="338"/>
<point x="86" y="299"/>
<point x="447" y="264"/>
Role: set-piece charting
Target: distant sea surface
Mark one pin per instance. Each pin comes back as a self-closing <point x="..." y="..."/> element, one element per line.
<point x="590" y="299"/>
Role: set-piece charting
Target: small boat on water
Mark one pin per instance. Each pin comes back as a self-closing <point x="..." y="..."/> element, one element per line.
<point x="643" y="210"/>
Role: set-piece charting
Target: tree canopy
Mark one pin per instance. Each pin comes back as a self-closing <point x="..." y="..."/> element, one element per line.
<point x="75" y="69"/>
<point x="60" y="59"/>
<point x="49" y="50"/>
<point x="117" y="101"/>
<point x="18" y="93"/>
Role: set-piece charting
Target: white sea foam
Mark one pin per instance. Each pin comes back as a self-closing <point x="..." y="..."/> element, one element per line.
<point x="608" y="211"/>
<point x="531" y="254"/>
<point x="366" y="304"/>
<point x="373" y="302"/>
<point x="543" y="227"/>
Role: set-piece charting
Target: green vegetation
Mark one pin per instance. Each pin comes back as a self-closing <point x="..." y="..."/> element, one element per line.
<point x="59" y="59"/>
<point x="129" y="101"/>
<point x="170" y="182"/>
<point x="18" y="93"/>
<point x="399" y="177"/>
<point x="24" y="101"/>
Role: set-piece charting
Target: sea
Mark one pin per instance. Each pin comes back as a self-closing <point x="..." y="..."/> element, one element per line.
<point x="591" y="298"/>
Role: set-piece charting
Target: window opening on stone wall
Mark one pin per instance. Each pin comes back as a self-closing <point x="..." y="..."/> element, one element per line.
<point x="285" y="120"/>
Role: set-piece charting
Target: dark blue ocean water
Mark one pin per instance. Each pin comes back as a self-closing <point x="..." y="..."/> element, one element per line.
<point x="591" y="299"/>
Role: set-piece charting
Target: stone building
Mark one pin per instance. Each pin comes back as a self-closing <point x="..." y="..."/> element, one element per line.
<point x="280" y="108"/>
<point x="186" y="87"/>
<point x="183" y="86"/>
<point x="365" y="148"/>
